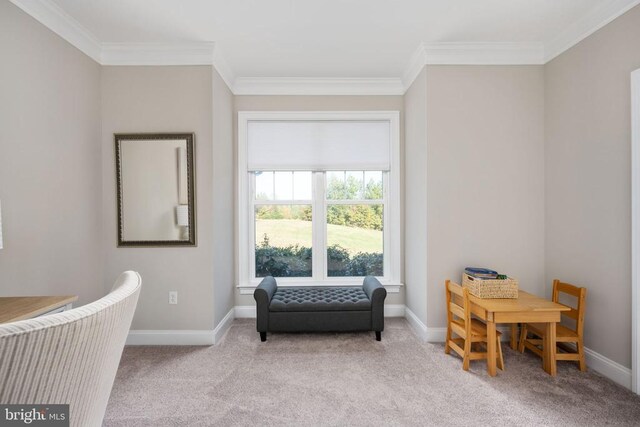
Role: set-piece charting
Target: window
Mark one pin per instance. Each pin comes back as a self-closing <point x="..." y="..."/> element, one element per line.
<point x="355" y="204"/>
<point x="282" y="221"/>
<point x="350" y="216"/>
<point x="318" y="198"/>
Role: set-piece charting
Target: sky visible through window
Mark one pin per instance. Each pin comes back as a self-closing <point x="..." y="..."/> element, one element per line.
<point x="298" y="185"/>
<point x="283" y="185"/>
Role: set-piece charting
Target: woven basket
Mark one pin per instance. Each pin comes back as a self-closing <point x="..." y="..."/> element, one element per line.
<point x="491" y="288"/>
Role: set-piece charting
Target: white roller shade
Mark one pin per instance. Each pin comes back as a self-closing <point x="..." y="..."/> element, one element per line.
<point x="319" y="145"/>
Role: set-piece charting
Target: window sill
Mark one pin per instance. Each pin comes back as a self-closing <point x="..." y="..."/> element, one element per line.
<point x="247" y="289"/>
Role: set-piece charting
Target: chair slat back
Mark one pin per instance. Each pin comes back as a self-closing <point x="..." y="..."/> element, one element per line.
<point x="456" y="294"/>
<point x="576" y="313"/>
<point x="457" y="310"/>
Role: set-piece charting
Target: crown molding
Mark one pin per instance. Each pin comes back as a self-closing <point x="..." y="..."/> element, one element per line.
<point x="222" y="67"/>
<point x="317" y="86"/>
<point x="484" y="53"/>
<point x="57" y="20"/>
<point x="455" y="53"/>
<point x="597" y="18"/>
<point x="417" y="61"/>
<point x="192" y="53"/>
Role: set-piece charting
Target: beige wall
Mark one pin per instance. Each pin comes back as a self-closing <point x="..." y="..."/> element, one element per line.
<point x="319" y="103"/>
<point x="163" y="99"/>
<point x="415" y="190"/>
<point x="588" y="178"/>
<point x="223" y="161"/>
<point x="50" y="169"/>
<point x="485" y="176"/>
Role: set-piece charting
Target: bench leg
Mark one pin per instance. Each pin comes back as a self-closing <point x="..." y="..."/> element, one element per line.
<point x="263" y="336"/>
<point x="378" y="336"/>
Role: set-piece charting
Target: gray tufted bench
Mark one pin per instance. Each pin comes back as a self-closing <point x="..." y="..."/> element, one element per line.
<point x="327" y="309"/>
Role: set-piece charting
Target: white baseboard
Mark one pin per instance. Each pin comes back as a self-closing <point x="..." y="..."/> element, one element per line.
<point x="223" y="326"/>
<point x="436" y="335"/>
<point x="416" y="324"/>
<point x="177" y="337"/>
<point x="245" y="311"/>
<point x="608" y="368"/>
<point x="181" y="337"/>
<point x="249" y="311"/>
<point x="394" y="310"/>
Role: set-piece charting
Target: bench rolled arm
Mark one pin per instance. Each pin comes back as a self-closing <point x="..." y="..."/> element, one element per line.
<point x="377" y="294"/>
<point x="263" y="294"/>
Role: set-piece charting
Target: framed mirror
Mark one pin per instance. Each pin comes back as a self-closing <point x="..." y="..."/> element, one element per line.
<point x="155" y="185"/>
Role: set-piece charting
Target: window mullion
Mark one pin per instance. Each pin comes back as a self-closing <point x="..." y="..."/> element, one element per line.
<point x="318" y="224"/>
<point x="273" y="184"/>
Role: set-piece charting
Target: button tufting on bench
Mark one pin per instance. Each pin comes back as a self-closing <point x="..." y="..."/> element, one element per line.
<point x="320" y="299"/>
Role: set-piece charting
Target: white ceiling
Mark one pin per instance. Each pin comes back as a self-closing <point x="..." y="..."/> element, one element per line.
<point x="337" y="38"/>
<point x="324" y="38"/>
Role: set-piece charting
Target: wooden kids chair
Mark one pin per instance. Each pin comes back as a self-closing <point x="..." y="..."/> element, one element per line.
<point x="564" y="334"/>
<point x="468" y="330"/>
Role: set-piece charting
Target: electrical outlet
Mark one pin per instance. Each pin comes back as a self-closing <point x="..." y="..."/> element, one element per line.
<point x="173" y="297"/>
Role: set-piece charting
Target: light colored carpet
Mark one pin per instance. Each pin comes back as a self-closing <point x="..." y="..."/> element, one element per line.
<point x="351" y="379"/>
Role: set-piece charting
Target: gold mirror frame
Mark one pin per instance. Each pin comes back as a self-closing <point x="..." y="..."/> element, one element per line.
<point x="190" y="140"/>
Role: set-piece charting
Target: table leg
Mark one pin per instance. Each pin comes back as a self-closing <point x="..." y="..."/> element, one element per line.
<point x="491" y="348"/>
<point x="514" y="336"/>
<point x="549" y="349"/>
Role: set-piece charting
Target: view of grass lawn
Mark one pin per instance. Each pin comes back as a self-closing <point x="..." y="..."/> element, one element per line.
<point x="285" y="232"/>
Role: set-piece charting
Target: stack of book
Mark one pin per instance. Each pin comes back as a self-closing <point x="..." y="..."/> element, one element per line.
<point x="481" y="273"/>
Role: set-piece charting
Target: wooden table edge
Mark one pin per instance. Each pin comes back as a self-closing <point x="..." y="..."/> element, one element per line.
<point x="61" y="301"/>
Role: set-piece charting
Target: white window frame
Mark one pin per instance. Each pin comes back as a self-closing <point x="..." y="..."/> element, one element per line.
<point x="392" y="211"/>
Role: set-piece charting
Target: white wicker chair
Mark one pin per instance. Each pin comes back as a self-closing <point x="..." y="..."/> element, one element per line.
<point x="70" y="357"/>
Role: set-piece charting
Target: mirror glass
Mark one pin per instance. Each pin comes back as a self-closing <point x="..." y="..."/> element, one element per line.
<point x="155" y="189"/>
